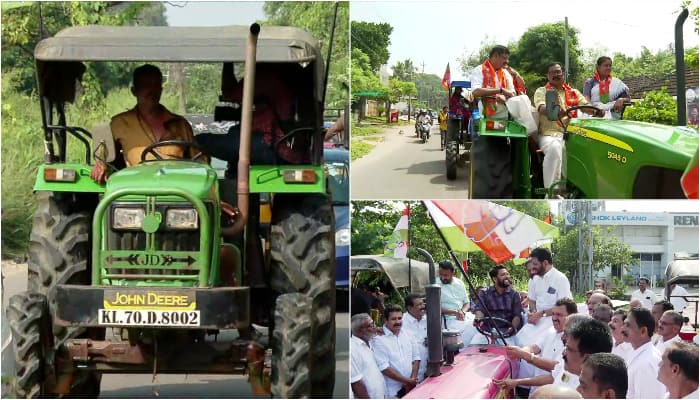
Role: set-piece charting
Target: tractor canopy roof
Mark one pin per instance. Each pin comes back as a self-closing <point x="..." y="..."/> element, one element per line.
<point x="60" y="57"/>
<point x="396" y="269"/>
<point x="683" y="271"/>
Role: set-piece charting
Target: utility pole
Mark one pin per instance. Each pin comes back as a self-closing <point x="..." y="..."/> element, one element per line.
<point x="566" y="49"/>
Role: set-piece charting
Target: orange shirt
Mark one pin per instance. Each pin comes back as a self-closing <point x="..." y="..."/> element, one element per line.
<point x="134" y="135"/>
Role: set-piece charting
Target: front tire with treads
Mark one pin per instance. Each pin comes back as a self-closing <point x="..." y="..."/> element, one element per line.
<point x="303" y="261"/>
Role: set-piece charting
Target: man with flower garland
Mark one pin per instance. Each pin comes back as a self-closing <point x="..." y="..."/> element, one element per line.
<point x="551" y="133"/>
<point x="493" y="84"/>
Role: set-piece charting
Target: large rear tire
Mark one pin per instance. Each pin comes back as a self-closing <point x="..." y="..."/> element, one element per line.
<point x="491" y="175"/>
<point x="59" y="254"/>
<point x="451" y="158"/>
<point x="303" y="261"/>
<point x="291" y="343"/>
<point x="27" y="315"/>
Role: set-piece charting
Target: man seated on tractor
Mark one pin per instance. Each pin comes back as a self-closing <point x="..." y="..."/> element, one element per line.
<point x="274" y="101"/>
<point x="493" y="84"/>
<point x="147" y="123"/>
<point x="502" y="302"/>
<point x="551" y="133"/>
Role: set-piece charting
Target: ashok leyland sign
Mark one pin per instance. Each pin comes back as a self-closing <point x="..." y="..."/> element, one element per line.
<point x="628" y="218"/>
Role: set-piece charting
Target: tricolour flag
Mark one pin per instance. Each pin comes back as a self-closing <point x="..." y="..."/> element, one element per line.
<point x="501" y="232"/>
<point x="397" y="245"/>
<point x="446" y="78"/>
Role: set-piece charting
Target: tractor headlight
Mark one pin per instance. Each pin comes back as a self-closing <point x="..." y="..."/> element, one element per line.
<point x="342" y="237"/>
<point x="128" y="218"/>
<point x="181" y="218"/>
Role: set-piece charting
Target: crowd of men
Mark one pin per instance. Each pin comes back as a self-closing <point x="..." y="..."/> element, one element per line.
<point x="563" y="349"/>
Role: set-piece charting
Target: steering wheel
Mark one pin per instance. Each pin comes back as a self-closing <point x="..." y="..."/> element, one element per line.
<point x="582" y="107"/>
<point x="480" y="326"/>
<point x="184" y="143"/>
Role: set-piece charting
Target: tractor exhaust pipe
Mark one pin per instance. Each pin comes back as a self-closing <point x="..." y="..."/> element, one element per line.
<point x="246" y="129"/>
<point x="432" y="313"/>
<point x="680" y="68"/>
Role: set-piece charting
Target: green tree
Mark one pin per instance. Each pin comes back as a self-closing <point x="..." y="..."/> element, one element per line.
<point x="404" y="70"/>
<point x="430" y="91"/>
<point x="657" y="106"/>
<point x="317" y="18"/>
<point x="373" y="39"/>
<point x="541" y="45"/>
<point x="397" y="91"/>
<point x="608" y="251"/>
<point x="22" y="29"/>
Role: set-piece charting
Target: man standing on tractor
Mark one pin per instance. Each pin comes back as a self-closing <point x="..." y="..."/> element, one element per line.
<point x="493" y="84"/>
<point x="551" y="133"/>
<point x="442" y="119"/>
<point x="147" y="123"/>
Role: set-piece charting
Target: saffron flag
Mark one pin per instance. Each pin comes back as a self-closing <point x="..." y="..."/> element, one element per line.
<point x="478" y="225"/>
<point x="397" y="246"/>
<point x="446" y="78"/>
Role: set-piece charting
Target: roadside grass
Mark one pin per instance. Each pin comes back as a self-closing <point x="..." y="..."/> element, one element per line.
<point x="23" y="151"/>
<point x="359" y="149"/>
<point x="365" y="130"/>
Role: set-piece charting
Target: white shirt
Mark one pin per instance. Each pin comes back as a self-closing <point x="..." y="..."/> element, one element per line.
<point x="624" y="350"/>
<point x="476" y="78"/>
<point x="693" y="395"/>
<point x="564" y="377"/>
<point x="661" y="344"/>
<point x="545" y="290"/>
<point x="648" y="298"/>
<point x="453" y="296"/>
<point x="418" y="329"/>
<point x="642" y="370"/>
<point x="678" y="302"/>
<point x="396" y="352"/>
<point x="364" y="368"/>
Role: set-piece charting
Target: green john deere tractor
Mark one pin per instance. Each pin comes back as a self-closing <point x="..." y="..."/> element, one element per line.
<point x="604" y="159"/>
<point x="142" y="274"/>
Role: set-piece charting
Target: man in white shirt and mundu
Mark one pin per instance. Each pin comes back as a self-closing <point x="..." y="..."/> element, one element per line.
<point x="416" y="324"/>
<point x="645" y="295"/>
<point x="643" y="361"/>
<point x="366" y="380"/>
<point x="544" y="289"/>
<point x="397" y="356"/>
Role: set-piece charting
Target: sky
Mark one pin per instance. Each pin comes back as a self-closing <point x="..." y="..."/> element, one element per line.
<point x="438" y="32"/>
<point x="213" y="13"/>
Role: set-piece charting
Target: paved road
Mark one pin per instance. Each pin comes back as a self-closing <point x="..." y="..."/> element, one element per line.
<point x="178" y="386"/>
<point x="401" y="167"/>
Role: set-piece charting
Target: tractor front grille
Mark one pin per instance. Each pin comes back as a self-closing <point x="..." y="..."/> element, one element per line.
<point x="170" y="258"/>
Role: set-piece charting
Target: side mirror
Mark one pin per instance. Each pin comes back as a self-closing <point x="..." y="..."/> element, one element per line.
<point x="551" y="101"/>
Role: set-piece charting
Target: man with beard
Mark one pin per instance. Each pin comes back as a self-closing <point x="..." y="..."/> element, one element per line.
<point x="396" y="354"/>
<point x="366" y="379"/>
<point x="502" y="302"/>
<point x="416" y="325"/>
<point x="584" y="338"/>
<point x="454" y="302"/>
<point x="643" y="362"/>
<point x="537" y="361"/>
<point x="595" y="299"/>
<point x="551" y="133"/>
<point x="546" y="287"/>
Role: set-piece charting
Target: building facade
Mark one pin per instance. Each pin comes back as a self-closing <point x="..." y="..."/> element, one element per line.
<point x="652" y="237"/>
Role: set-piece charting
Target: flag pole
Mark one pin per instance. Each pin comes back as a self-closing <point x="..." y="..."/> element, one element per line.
<point x="410" y="288"/>
<point x="472" y="289"/>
